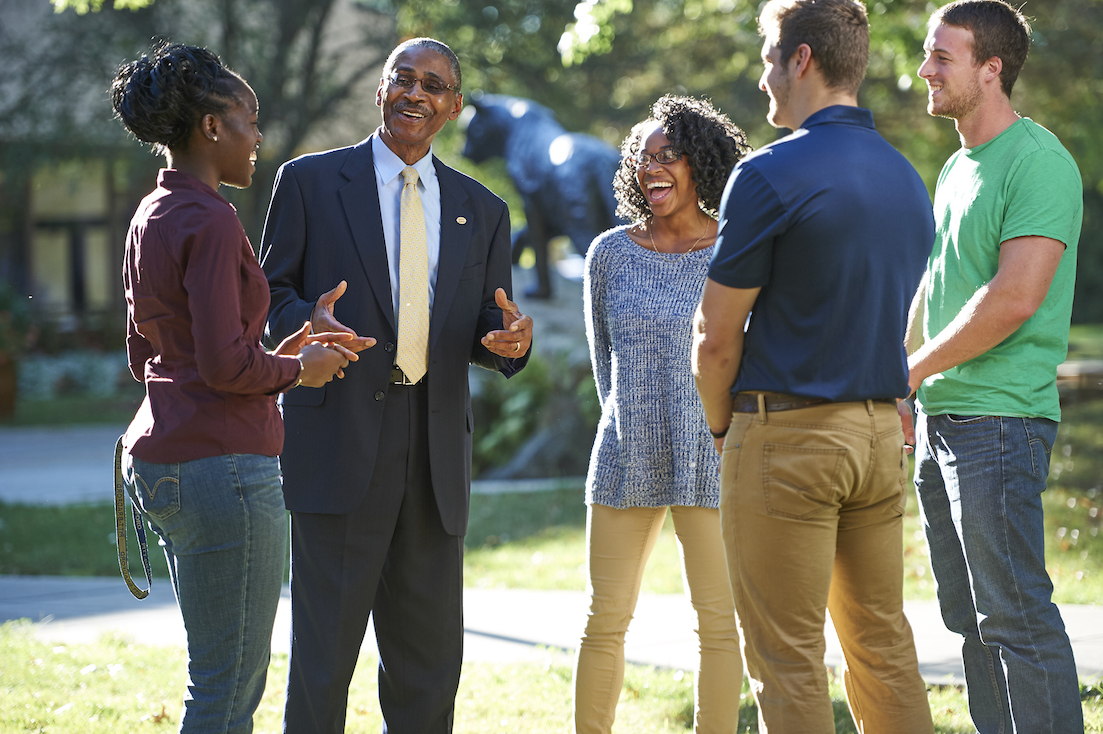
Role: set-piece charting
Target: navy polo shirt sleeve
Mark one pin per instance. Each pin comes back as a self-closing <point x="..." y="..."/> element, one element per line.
<point x="752" y="216"/>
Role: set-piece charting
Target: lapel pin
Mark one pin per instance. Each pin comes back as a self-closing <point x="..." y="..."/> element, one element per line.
<point x="461" y="220"/>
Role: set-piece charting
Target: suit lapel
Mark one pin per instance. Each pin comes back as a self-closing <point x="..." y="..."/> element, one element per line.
<point x="360" y="199"/>
<point x="456" y="223"/>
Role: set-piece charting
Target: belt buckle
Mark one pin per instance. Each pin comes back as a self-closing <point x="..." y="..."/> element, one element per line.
<point x="398" y="377"/>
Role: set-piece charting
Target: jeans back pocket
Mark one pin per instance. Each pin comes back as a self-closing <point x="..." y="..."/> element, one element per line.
<point x="154" y="487"/>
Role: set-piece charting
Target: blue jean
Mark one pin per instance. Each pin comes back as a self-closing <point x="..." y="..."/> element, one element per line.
<point x="223" y="526"/>
<point x="980" y="481"/>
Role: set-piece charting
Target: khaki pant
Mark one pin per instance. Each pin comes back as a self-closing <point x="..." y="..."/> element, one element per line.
<point x="812" y="502"/>
<point x="619" y="543"/>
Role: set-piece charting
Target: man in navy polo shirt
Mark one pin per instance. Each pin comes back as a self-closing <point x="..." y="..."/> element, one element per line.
<point x="823" y="238"/>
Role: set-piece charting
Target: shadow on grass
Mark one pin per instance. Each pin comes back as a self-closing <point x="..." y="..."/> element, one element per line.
<point x="79" y="540"/>
<point x="497" y="519"/>
<point x="69" y="540"/>
<point x="75" y="409"/>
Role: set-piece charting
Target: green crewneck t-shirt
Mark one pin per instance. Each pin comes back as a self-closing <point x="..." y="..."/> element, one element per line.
<point x="1021" y="183"/>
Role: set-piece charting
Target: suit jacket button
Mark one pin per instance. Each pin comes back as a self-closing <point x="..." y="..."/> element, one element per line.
<point x="379" y="394"/>
<point x="388" y="347"/>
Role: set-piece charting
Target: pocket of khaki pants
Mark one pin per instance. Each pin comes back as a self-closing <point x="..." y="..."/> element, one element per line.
<point x="733" y="448"/>
<point x="902" y="504"/>
<point x="800" y="481"/>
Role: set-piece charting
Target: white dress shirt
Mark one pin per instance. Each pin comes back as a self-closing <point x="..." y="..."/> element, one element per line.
<point x="388" y="179"/>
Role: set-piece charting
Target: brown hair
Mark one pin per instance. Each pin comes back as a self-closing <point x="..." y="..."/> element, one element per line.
<point x="998" y="30"/>
<point x="837" y="31"/>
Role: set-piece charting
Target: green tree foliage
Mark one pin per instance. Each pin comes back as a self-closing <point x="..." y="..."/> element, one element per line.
<point x="601" y="63"/>
<point x="513" y="47"/>
<point x="83" y="6"/>
<point x="592" y="31"/>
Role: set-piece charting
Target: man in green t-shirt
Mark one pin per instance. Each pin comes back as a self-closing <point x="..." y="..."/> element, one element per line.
<point x="995" y="305"/>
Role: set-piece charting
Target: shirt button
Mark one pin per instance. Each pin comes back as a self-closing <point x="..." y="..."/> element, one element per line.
<point x="379" y="394"/>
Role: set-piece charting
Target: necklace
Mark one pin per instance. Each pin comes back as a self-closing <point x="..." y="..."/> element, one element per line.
<point x="651" y="236"/>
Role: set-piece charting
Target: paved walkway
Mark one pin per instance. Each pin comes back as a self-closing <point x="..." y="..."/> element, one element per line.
<point x="52" y="466"/>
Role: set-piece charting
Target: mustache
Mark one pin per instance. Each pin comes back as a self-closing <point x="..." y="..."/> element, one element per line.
<point x="412" y="108"/>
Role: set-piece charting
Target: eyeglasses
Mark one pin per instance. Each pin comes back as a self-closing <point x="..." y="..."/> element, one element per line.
<point x="430" y="85"/>
<point x="665" y="157"/>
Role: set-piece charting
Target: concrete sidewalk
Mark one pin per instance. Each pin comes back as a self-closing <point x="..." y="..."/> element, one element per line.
<point x="500" y="624"/>
<point x="74" y="464"/>
<point x="43" y="465"/>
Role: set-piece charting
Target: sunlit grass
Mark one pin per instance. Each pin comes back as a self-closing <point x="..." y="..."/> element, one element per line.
<point x="115" y="686"/>
<point x="537" y="541"/>
<point x="555" y="556"/>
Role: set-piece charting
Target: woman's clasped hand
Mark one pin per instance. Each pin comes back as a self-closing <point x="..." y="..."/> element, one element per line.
<point x="324" y="355"/>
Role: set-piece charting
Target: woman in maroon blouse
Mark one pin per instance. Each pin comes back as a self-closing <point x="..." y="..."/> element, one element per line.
<point x="201" y="455"/>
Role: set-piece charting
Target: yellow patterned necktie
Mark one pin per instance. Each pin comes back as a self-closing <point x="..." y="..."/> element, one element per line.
<point x="413" y="283"/>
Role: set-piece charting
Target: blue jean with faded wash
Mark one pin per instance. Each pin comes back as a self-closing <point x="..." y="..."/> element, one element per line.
<point x="222" y="523"/>
<point x="980" y="481"/>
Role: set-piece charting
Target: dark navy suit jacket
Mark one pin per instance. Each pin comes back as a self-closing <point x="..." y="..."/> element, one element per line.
<point x="323" y="227"/>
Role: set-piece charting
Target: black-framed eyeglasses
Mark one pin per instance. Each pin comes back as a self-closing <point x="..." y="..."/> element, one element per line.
<point x="665" y="156"/>
<point x="429" y="85"/>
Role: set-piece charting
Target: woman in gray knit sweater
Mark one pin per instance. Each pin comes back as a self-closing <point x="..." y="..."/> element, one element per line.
<point x="653" y="451"/>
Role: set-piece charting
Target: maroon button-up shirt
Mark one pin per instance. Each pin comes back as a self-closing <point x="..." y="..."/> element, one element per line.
<point x="197" y="302"/>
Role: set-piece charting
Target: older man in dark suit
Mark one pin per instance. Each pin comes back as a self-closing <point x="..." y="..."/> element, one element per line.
<point x="384" y="240"/>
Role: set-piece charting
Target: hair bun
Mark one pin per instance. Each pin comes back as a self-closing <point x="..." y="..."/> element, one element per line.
<point x="161" y="96"/>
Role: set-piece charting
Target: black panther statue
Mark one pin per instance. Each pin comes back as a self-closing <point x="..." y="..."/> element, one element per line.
<point x="565" y="179"/>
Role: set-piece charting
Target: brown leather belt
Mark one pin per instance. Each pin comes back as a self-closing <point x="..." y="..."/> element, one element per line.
<point x="398" y="377"/>
<point x="747" y="402"/>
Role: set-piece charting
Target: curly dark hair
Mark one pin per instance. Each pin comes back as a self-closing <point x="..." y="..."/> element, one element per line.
<point x="162" y="96"/>
<point x="709" y="140"/>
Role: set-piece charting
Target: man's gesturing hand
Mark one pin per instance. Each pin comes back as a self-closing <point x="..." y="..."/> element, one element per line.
<point x="515" y="337"/>
<point x="322" y="320"/>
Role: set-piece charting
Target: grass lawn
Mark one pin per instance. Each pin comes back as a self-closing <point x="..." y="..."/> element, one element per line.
<point x="70" y="409"/>
<point x="1086" y="341"/>
<point x="519" y="540"/>
<point x="514" y="540"/>
<point x="538" y="540"/>
<point x="115" y="686"/>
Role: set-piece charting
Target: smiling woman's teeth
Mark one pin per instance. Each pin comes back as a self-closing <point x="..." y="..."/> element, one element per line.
<point x="658" y="188"/>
